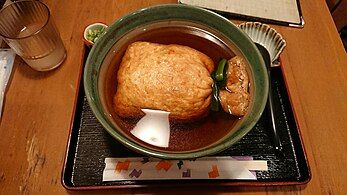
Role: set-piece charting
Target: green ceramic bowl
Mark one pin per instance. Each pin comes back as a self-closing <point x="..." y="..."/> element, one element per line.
<point x="180" y="24"/>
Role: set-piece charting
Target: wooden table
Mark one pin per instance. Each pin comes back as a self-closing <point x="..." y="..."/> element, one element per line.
<point x="39" y="106"/>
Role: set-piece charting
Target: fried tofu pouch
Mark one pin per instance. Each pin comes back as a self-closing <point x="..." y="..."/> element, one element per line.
<point x="235" y="97"/>
<point x="171" y="78"/>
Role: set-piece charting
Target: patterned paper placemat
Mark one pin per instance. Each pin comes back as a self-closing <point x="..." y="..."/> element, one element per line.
<point x="244" y="168"/>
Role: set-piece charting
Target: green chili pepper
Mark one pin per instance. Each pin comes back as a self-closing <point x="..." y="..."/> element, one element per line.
<point x="219" y="77"/>
<point x="220" y="73"/>
<point x="223" y="83"/>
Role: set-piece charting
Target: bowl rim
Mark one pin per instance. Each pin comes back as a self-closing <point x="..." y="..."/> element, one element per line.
<point x="170" y="12"/>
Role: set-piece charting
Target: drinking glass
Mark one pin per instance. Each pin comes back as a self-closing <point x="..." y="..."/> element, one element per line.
<point x="28" y="28"/>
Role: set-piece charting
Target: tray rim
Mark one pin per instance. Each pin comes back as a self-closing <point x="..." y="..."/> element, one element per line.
<point x="194" y="183"/>
<point x="295" y="114"/>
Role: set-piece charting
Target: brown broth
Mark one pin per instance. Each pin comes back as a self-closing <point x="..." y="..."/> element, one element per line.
<point x="183" y="136"/>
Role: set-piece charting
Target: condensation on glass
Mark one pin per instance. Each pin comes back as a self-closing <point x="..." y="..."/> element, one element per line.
<point x="28" y="28"/>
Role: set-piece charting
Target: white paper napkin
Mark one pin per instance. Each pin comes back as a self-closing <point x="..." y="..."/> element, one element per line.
<point x="6" y="63"/>
<point x="243" y="168"/>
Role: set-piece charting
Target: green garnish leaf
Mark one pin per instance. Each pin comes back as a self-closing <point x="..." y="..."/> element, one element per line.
<point x="93" y="35"/>
<point x="213" y="75"/>
<point x="215" y="98"/>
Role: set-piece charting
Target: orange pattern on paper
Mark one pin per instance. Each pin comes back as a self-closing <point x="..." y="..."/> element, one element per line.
<point x="163" y="164"/>
<point x="214" y="173"/>
<point x="122" y="166"/>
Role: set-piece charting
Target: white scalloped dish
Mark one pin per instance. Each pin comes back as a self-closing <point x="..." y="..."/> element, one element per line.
<point x="266" y="36"/>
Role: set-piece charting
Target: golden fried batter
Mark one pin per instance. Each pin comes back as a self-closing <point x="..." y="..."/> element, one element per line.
<point x="171" y="78"/>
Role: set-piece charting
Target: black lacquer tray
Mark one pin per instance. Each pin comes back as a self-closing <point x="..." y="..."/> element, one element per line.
<point x="89" y="144"/>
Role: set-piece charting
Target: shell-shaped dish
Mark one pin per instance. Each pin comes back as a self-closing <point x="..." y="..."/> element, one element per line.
<point x="266" y="36"/>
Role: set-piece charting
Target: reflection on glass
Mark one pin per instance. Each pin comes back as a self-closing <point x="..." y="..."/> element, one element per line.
<point x="153" y="128"/>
